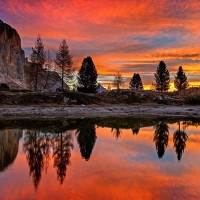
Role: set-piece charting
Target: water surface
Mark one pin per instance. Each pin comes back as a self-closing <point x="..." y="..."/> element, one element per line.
<point x="131" y="158"/>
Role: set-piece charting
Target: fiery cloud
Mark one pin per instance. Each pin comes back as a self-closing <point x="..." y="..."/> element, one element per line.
<point x="128" y="36"/>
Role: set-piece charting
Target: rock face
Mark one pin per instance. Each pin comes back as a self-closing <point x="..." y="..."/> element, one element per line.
<point x="9" y="143"/>
<point x="15" y="68"/>
<point x="54" y="82"/>
<point x="47" y="80"/>
<point x="12" y="58"/>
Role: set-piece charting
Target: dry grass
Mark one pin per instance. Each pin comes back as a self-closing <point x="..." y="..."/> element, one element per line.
<point x="125" y="97"/>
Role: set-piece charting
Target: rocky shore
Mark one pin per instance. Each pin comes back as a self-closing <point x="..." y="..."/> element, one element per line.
<point x="91" y="111"/>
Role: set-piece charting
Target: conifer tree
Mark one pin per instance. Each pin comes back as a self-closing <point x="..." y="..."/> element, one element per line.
<point x="136" y="82"/>
<point x="180" y="82"/>
<point x="87" y="77"/>
<point x="38" y="58"/>
<point x="162" y="77"/>
<point x="64" y="62"/>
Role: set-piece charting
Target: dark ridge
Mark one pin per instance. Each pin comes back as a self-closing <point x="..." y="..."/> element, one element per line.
<point x="9" y="30"/>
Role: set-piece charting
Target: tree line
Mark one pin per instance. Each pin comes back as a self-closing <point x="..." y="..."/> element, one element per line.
<point x="87" y="75"/>
<point x="41" y="62"/>
<point x="161" y="77"/>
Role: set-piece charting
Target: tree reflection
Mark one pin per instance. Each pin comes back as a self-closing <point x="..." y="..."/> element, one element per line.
<point x="62" y="145"/>
<point x="116" y="132"/>
<point x="37" y="149"/>
<point x="86" y="138"/>
<point x="179" y="139"/>
<point x="135" y="130"/>
<point x="161" y="137"/>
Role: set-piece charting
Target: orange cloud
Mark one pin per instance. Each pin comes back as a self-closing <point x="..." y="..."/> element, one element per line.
<point x="116" y="34"/>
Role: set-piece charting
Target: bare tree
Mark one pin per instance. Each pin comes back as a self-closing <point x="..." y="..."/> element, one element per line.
<point x="64" y="62"/>
<point x="38" y="58"/>
<point x="48" y="65"/>
<point x="108" y="87"/>
<point x="118" y="80"/>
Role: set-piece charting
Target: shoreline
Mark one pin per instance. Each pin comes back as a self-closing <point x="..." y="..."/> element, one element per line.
<point x="95" y="111"/>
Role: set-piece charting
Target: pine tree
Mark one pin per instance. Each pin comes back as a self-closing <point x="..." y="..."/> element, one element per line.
<point x="136" y="82"/>
<point x="87" y="77"/>
<point x="64" y="62"/>
<point x="38" y="58"/>
<point x="180" y="82"/>
<point x="162" y="77"/>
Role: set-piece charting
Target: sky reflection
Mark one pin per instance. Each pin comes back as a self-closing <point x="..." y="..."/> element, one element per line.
<point x="123" y="168"/>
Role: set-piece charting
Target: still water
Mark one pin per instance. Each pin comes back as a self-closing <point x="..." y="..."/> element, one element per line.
<point x="131" y="158"/>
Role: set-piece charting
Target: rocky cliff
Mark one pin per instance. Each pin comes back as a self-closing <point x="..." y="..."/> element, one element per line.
<point x="12" y="58"/>
<point x="14" y="67"/>
<point x="47" y="80"/>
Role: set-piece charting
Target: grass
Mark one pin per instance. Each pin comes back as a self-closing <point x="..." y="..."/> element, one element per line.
<point x="81" y="98"/>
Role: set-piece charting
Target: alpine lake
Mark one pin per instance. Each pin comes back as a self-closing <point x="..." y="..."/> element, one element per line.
<point x="102" y="158"/>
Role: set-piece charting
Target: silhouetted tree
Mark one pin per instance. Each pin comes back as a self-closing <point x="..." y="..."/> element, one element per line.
<point x="179" y="139"/>
<point x="161" y="137"/>
<point x="118" y="80"/>
<point x="86" y="138"/>
<point x="37" y="58"/>
<point x="87" y="77"/>
<point x="64" y="62"/>
<point x="136" y="82"/>
<point x="37" y="149"/>
<point x="62" y="146"/>
<point x="180" y="82"/>
<point x="162" y="77"/>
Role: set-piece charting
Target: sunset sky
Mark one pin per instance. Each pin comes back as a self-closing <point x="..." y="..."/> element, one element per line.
<point x="130" y="36"/>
